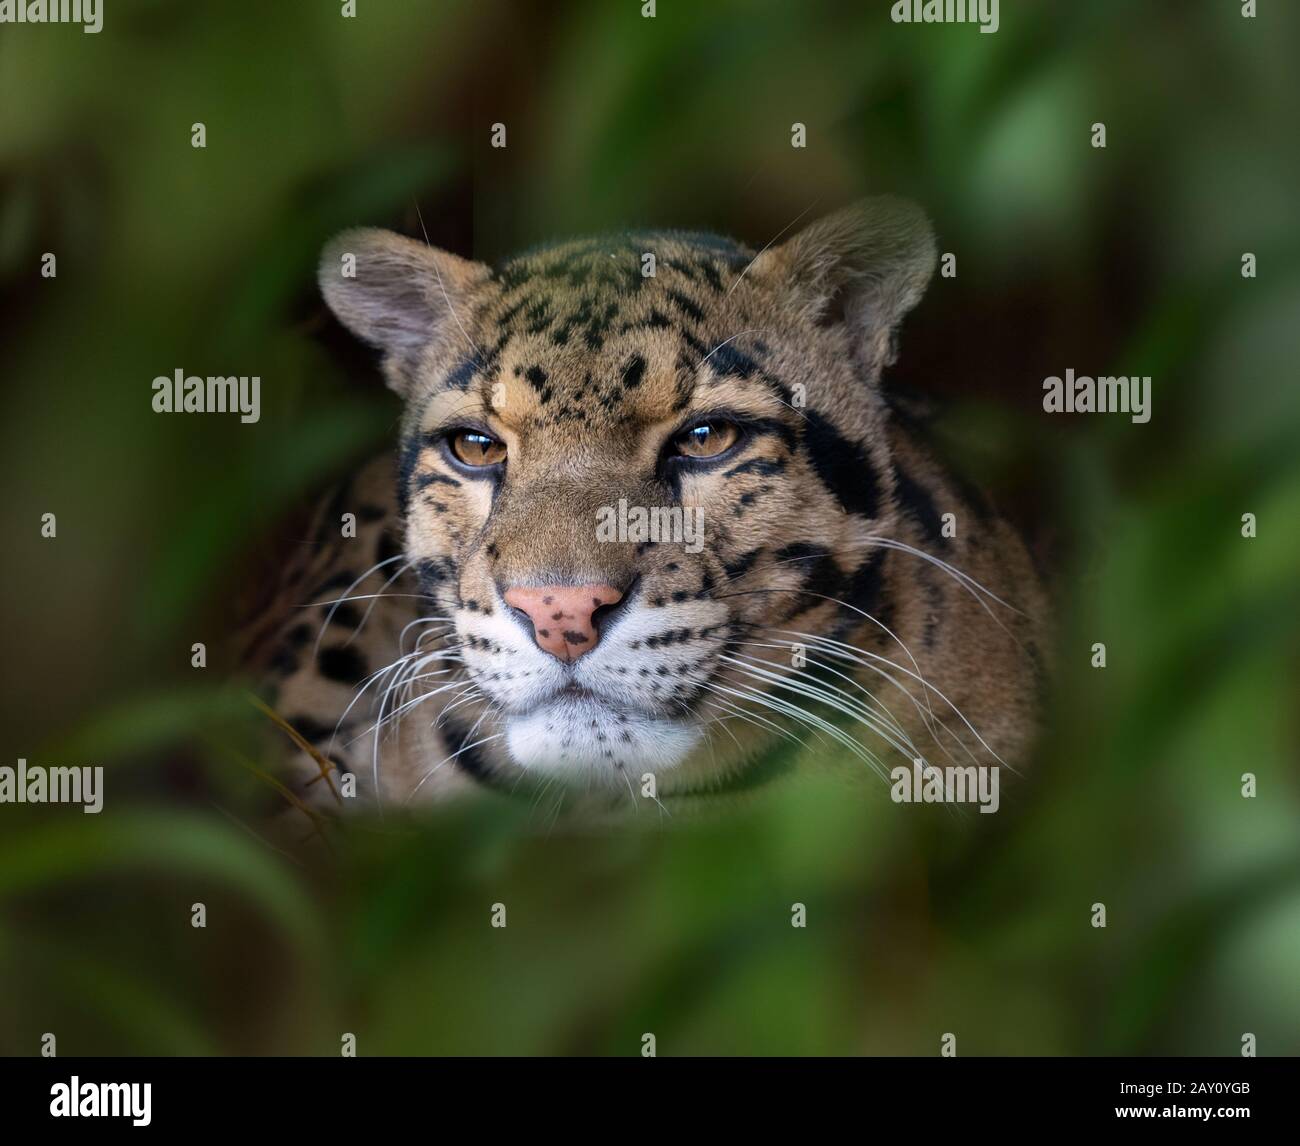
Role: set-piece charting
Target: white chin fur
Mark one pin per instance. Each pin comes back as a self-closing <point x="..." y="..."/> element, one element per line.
<point x="582" y="739"/>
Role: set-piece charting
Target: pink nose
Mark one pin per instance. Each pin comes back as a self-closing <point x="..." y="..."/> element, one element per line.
<point x="561" y="615"/>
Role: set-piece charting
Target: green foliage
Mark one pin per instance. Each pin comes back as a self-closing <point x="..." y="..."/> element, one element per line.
<point x="1123" y="260"/>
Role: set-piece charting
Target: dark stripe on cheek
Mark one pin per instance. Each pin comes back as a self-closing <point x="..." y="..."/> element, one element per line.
<point x="778" y="429"/>
<point x="843" y="466"/>
<point x="406" y="462"/>
<point x="814" y="564"/>
<point x="345" y="616"/>
<point x="463" y="757"/>
<point x="864" y="590"/>
<point x="424" y="481"/>
<point x="915" y="500"/>
<point x="432" y="572"/>
<point x="742" y="565"/>
<point x="764" y="467"/>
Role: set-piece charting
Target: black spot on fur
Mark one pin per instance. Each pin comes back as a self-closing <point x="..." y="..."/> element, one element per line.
<point x="462" y="374"/>
<point x="655" y="320"/>
<point x="464" y="754"/>
<point x="431" y="572"/>
<point x="283" y="662"/>
<point x="388" y="547"/>
<point x="634" y="372"/>
<point x="683" y="269"/>
<point x="687" y="306"/>
<point x="340" y="580"/>
<point x="710" y="273"/>
<point x="934" y="603"/>
<point x="728" y="362"/>
<point x="310" y="730"/>
<point x="345" y="615"/>
<point x="342" y="664"/>
<point x="538" y="316"/>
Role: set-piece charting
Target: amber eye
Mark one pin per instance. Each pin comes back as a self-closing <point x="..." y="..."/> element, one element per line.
<point x="706" y="439"/>
<point x="475" y="448"/>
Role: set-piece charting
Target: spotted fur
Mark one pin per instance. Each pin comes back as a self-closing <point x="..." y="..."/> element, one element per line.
<point x="827" y="596"/>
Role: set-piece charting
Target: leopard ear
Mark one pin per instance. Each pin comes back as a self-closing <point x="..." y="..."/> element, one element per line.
<point x="865" y="266"/>
<point x="403" y="296"/>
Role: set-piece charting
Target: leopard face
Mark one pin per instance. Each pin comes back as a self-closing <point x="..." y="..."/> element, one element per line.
<point x="558" y="404"/>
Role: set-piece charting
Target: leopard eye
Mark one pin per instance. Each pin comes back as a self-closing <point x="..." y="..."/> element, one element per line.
<point x="706" y="439"/>
<point x="475" y="448"/>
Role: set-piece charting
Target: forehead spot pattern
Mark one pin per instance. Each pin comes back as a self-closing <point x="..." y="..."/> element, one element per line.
<point x="588" y="295"/>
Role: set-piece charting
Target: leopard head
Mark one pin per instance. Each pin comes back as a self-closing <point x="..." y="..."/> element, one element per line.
<point x="631" y="466"/>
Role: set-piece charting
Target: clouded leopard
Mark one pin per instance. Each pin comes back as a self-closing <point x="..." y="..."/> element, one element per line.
<point x="481" y="629"/>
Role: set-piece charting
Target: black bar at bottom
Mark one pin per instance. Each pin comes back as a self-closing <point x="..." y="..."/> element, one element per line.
<point x="363" y="1094"/>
